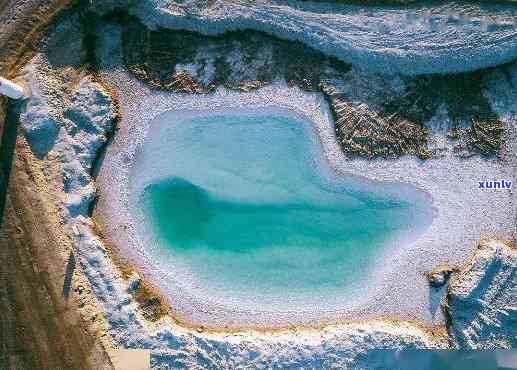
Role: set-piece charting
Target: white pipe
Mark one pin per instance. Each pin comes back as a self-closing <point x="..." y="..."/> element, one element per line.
<point x="10" y="89"/>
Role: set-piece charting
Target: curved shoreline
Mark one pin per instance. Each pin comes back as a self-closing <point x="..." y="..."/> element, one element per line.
<point x="175" y="278"/>
<point x="111" y="293"/>
<point x="314" y="107"/>
<point x="186" y="308"/>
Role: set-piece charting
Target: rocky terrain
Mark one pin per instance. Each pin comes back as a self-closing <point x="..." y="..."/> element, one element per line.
<point x="69" y="274"/>
<point x="375" y="115"/>
<point x="480" y="301"/>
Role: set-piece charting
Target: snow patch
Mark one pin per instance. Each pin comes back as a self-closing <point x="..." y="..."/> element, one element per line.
<point x="482" y="299"/>
<point x="446" y="38"/>
<point x="72" y="137"/>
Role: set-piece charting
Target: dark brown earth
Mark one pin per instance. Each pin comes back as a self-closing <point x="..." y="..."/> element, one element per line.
<point x="22" y="23"/>
<point x="41" y="325"/>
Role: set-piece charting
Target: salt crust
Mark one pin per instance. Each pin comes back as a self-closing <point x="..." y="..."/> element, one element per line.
<point x="482" y="299"/>
<point x="347" y="344"/>
<point x="401" y="289"/>
<point x="351" y="344"/>
<point x="289" y="307"/>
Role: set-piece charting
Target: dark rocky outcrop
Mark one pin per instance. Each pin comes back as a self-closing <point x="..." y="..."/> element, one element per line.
<point x="390" y="125"/>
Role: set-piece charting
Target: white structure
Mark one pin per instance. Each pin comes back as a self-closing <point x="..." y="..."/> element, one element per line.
<point x="10" y="89"/>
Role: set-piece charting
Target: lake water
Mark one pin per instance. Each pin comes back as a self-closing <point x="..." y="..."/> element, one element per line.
<point x="246" y="204"/>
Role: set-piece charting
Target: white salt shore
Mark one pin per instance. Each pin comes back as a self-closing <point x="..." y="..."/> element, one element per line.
<point x="346" y="344"/>
<point x="340" y="345"/>
<point x="480" y="300"/>
<point x="399" y="289"/>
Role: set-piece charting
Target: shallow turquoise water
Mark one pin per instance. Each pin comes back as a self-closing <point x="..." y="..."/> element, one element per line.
<point x="246" y="203"/>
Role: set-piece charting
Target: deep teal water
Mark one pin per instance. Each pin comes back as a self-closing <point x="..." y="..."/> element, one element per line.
<point x="245" y="201"/>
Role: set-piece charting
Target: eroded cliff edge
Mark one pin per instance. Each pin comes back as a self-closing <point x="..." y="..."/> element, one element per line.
<point x="72" y="102"/>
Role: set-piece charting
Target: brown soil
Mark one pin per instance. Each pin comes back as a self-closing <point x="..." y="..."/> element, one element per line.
<point x="42" y="325"/>
<point x="47" y="320"/>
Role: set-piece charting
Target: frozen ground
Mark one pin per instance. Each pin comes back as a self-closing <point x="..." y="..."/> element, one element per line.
<point x="65" y="133"/>
<point x="433" y="38"/>
<point x="490" y="277"/>
<point x="400" y="288"/>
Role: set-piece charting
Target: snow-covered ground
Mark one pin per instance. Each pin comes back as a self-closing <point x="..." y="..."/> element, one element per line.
<point x="66" y="135"/>
<point x="350" y="344"/>
<point x="433" y="38"/>
<point x="462" y="212"/>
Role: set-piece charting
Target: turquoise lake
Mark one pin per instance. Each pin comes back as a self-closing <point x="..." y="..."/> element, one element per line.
<point x="247" y="204"/>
